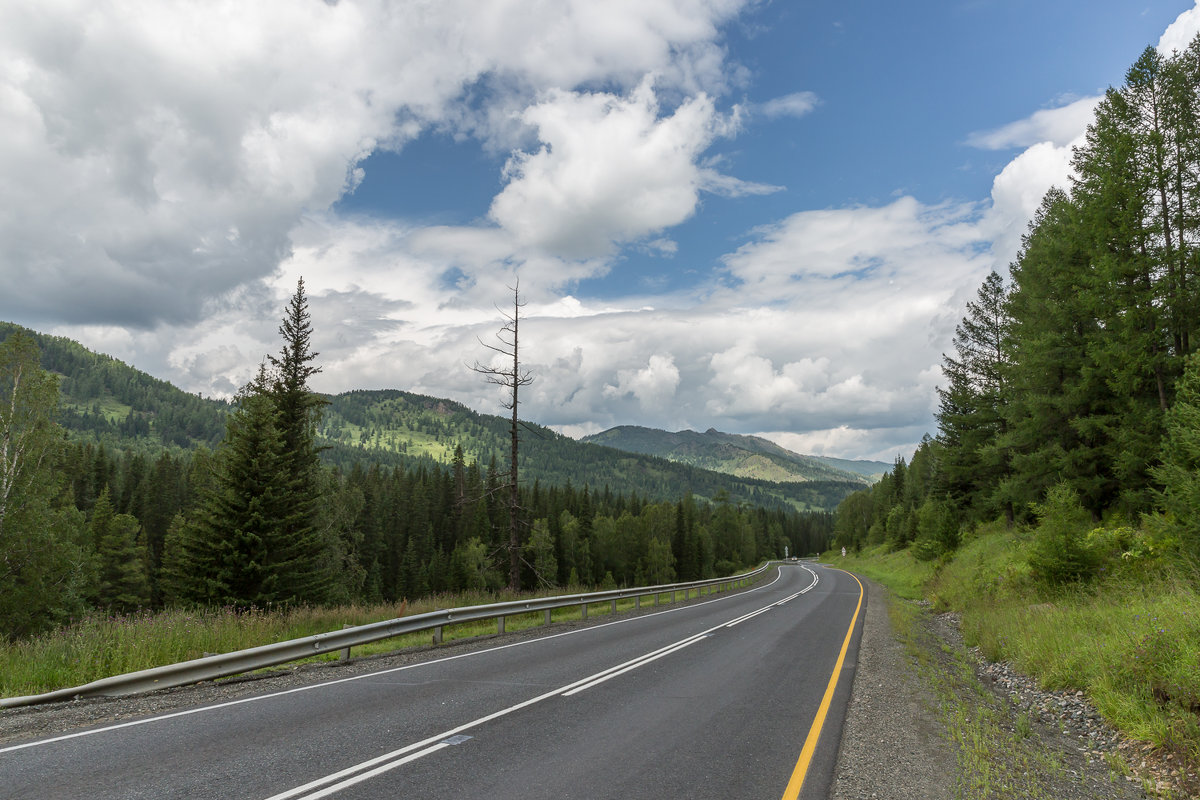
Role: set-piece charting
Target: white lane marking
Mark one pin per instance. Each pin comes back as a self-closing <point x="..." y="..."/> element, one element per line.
<point x="751" y="615"/>
<point x="396" y="758"/>
<point x="640" y="663"/>
<point x="324" y="684"/>
<point x="346" y="784"/>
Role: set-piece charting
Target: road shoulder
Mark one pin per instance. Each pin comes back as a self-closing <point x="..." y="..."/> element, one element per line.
<point x="893" y="743"/>
<point x="927" y="719"/>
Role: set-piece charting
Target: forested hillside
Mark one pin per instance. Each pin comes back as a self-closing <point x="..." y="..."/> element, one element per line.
<point x="733" y="454"/>
<point x="1073" y="390"/>
<point x="400" y="427"/>
<point x="122" y="492"/>
<point x="113" y="403"/>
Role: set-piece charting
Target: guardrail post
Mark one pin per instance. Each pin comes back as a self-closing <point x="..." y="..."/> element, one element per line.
<point x="437" y="635"/>
<point x="637" y="602"/>
<point x="548" y="611"/>
<point x="583" y="608"/>
<point x="345" y="654"/>
<point x="614" y="606"/>
<point x="499" y="624"/>
<point x="656" y="598"/>
<point x="672" y="595"/>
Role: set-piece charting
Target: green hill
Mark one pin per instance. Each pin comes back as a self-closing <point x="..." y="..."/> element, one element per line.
<point x="738" y="455"/>
<point x="110" y="402"/>
<point x="389" y="425"/>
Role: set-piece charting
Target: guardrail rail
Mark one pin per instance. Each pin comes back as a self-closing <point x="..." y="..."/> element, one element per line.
<point x="270" y="655"/>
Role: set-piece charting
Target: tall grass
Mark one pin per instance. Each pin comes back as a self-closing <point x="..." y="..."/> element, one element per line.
<point x="899" y="571"/>
<point x="1132" y="645"/>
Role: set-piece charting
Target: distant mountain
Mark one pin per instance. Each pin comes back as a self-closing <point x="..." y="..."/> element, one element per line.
<point x="734" y="454"/>
<point x="394" y="426"/>
<point x="110" y="402"/>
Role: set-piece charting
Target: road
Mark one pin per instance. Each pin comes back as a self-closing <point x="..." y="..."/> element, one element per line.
<point x="717" y="699"/>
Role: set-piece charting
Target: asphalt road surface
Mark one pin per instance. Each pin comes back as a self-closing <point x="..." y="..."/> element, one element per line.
<point x="737" y="696"/>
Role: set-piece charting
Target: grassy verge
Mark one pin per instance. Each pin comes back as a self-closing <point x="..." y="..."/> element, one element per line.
<point x="998" y="757"/>
<point x="98" y="646"/>
<point x="1130" y="639"/>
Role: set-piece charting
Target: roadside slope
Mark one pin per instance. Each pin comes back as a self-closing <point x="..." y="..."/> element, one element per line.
<point x="928" y="719"/>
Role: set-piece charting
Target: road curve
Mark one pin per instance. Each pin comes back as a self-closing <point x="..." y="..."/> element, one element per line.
<point x="716" y="699"/>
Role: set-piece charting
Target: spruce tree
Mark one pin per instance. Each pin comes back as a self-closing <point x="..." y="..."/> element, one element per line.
<point x="122" y="583"/>
<point x="299" y="556"/>
<point x="970" y="413"/>
<point x="1060" y="405"/>
<point x="1117" y="192"/>
<point x="237" y="546"/>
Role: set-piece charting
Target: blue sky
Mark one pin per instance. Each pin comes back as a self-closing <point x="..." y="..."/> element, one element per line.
<point x="764" y="217"/>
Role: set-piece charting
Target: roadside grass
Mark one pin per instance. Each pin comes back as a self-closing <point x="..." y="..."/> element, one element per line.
<point x="1129" y="639"/>
<point x="997" y="754"/>
<point x="99" y="646"/>
<point x="899" y="571"/>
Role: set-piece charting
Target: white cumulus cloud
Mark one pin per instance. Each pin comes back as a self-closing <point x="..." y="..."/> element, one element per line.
<point x="1057" y="126"/>
<point x="610" y="169"/>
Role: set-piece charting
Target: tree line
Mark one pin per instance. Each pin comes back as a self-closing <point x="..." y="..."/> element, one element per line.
<point x="261" y="521"/>
<point x="1074" y="386"/>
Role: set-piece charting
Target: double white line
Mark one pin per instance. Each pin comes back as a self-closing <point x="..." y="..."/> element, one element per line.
<point x="336" y="782"/>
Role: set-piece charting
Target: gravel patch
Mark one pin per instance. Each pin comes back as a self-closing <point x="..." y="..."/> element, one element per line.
<point x="893" y="745"/>
<point x="896" y="742"/>
<point x="1080" y="725"/>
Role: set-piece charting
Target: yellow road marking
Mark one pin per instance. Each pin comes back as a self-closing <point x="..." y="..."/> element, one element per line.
<point x="810" y="744"/>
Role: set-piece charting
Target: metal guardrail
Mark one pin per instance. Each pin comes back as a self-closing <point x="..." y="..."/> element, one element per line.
<point x="270" y="655"/>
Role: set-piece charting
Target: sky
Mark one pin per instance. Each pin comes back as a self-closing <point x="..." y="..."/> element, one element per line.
<point x="764" y="217"/>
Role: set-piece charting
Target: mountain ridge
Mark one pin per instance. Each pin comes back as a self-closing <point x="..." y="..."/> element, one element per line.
<point x="740" y="455"/>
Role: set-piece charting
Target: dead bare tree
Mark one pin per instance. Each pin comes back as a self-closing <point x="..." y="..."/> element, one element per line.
<point x="512" y="378"/>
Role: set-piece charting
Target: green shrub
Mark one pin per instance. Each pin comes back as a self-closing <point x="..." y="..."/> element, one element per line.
<point x="937" y="530"/>
<point x="1060" y="553"/>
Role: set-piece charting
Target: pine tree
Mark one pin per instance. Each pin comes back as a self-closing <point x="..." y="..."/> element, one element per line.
<point x="237" y="545"/>
<point x="970" y="414"/>
<point x="300" y="560"/>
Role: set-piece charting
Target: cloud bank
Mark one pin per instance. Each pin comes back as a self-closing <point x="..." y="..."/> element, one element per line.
<point x="171" y="169"/>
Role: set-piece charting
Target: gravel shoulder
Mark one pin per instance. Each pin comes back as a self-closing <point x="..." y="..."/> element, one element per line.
<point x="930" y="718"/>
<point x="893" y="743"/>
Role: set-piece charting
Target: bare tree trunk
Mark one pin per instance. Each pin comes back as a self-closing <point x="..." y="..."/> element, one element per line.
<point x="513" y="379"/>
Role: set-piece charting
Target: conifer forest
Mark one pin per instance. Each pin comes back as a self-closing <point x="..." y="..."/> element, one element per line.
<point x="1073" y="391"/>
